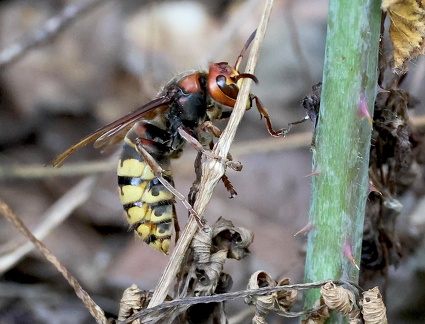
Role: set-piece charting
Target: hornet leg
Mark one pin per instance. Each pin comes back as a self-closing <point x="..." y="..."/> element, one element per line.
<point x="264" y="113"/>
<point x="207" y="125"/>
<point x="217" y="133"/>
<point x="158" y="171"/>
<point x="198" y="146"/>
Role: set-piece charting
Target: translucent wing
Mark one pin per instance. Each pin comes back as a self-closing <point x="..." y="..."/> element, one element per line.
<point x="115" y="131"/>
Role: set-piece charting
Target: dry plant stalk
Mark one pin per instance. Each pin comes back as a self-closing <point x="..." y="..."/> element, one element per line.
<point x="93" y="308"/>
<point x="212" y="170"/>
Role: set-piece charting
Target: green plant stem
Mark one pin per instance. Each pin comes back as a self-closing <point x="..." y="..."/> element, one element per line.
<point x="342" y="143"/>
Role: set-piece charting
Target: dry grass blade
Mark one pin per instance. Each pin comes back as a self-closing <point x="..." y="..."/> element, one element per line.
<point x="212" y="170"/>
<point x="93" y="308"/>
<point x="55" y="216"/>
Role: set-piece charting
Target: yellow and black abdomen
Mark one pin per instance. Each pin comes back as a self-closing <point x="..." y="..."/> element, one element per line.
<point x="148" y="204"/>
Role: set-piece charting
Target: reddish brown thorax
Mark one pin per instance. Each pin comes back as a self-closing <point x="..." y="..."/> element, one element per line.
<point x="191" y="83"/>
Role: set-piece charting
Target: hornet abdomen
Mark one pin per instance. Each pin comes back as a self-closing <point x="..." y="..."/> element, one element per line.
<point x="148" y="204"/>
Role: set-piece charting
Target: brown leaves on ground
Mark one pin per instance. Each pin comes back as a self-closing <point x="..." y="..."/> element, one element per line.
<point x="407" y="30"/>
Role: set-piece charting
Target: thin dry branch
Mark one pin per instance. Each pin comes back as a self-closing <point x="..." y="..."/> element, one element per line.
<point x="55" y="216"/>
<point x="212" y="170"/>
<point x="93" y="308"/>
<point x="50" y="29"/>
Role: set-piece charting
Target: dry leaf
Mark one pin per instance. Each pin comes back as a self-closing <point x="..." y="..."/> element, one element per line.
<point x="210" y="252"/>
<point x="236" y="240"/>
<point x="407" y="30"/>
<point x="265" y="303"/>
<point x="286" y="298"/>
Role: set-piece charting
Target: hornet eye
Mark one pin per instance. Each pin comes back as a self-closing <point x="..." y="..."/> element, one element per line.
<point x="230" y="90"/>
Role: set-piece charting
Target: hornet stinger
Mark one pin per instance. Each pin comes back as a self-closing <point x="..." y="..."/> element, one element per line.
<point x="157" y="132"/>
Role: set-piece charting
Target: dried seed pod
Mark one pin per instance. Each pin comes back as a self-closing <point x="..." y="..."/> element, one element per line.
<point x="264" y="304"/>
<point x="208" y="274"/>
<point x="279" y="301"/>
<point x="373" y="308"/>
<point x="286" y="298"/>
<point x="131" y="302"/>
<point x="202" y="272"/>
<point x="210" y="251"/>
<point x="134" y="300"/>
<point x="235" y="239"/>
<point x="259" y="279"/>
<point x="338" y="298"/>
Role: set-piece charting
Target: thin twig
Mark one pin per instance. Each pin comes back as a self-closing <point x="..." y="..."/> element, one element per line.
<point x="212" y="170"/>
<point x="53" y="217"/>
<point x="49" y="30"/>
<point x="93" y="308"/>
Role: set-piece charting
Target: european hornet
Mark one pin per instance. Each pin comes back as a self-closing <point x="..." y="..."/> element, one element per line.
<point x="157" y="132"/>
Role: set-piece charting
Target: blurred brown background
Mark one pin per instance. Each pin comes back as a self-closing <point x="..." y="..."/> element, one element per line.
<point x="105" y="64"/>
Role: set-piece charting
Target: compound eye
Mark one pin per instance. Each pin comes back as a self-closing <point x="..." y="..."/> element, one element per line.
<point x="230" y="90"/>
